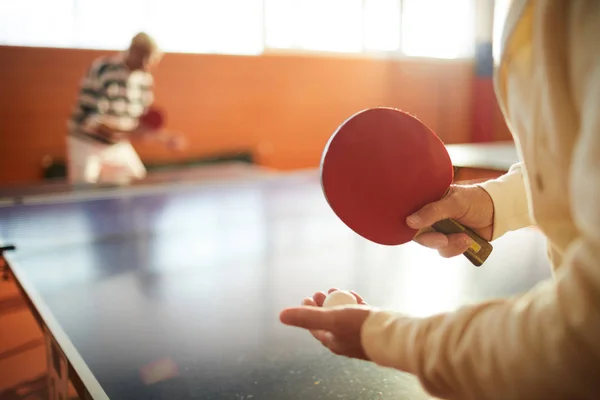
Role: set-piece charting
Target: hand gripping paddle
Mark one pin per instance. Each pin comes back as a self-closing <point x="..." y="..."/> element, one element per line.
<point x="382" y="165"/>
<point x="153" y="119"/>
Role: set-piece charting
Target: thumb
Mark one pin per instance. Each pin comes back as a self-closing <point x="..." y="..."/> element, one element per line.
<point x="433" y="212"/>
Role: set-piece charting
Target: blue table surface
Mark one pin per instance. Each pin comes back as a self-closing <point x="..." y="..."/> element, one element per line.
<point x="197" y="275"/>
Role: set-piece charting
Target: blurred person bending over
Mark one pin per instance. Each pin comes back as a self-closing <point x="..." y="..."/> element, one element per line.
<point x="116" y="91"/>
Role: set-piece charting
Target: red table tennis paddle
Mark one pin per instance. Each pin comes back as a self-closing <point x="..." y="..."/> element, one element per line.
<point x="153" y="119"/>
<point x="382" y="165"/>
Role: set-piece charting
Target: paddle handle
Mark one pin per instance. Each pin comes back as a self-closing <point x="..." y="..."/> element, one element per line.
<point x="480" y="248"/>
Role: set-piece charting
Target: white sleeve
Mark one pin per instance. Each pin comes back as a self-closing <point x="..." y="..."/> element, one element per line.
<point x="511" y="207"/>
<point x="544" y="344"/>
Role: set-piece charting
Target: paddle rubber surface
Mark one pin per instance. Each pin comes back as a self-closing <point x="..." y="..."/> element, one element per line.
<point x="379" y="167"/>
<point x="153" y="118"/>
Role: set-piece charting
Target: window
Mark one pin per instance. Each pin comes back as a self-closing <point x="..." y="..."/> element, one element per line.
<point x="207" y="26"/>
<point x="422" y="28"/>
<point x="107" y="24"/>
<point x="348" y="26"/>
<point x="190" y="26"/>
<point x="382" y="25"/>
<point x="279" y="14"/>
<point x="321" y="25"/>
<point x="438" y="28"/>
<point x="36" y="22"/>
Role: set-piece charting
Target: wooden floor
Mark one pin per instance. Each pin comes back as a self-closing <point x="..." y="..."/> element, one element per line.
<point x="22" y="354"/>
<point x="22" y="347"/>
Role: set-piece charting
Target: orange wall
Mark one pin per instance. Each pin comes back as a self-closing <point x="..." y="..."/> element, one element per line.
<point x="287" y="106"/>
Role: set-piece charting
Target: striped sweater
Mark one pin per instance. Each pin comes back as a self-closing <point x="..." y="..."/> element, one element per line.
<point x="110" y="93"/>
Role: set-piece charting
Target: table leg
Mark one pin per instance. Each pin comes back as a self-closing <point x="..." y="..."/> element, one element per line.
<point x="3" y="264"/>
<point x="58" y="369"/>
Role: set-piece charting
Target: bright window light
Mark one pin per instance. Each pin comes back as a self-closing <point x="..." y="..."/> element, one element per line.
<point x="320" y="25"/>
<point x="331" y="25"/>
<point x="382" y="25"/>
<point x="438" y="28"/>
<point x="280" y="30"/>
<point x="188" y="26"/>
<point x="208" y="26"/>
<point x="41" y="23"/>
<point x="421" y="28"/>
<point x="107" y="24"/>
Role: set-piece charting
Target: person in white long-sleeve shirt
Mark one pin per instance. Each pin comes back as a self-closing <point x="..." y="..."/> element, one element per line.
<point x="545" y="343"/>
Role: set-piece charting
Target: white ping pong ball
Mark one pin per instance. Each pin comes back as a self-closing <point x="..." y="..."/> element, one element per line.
<point x="339" y="298"/>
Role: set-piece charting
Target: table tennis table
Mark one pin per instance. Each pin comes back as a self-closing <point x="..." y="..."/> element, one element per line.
<point x="173" y="291"/>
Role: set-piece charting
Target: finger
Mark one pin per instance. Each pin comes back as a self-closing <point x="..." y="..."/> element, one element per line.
<point x="433" y="240"/>
<point x="312" y="318"/>
<point x="308" y="301"/>
<point x="433" y="212"/>
<point x="457" y="244"/>
<point x="319" y="298"/>
<point x="359" y="298"/>
<point x="332" y="290"/>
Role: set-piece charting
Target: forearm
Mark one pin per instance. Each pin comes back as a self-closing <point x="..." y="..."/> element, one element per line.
<point x="511" y="207"/>
<point x="544" y="344"/>
<point x="541" y="345"/>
